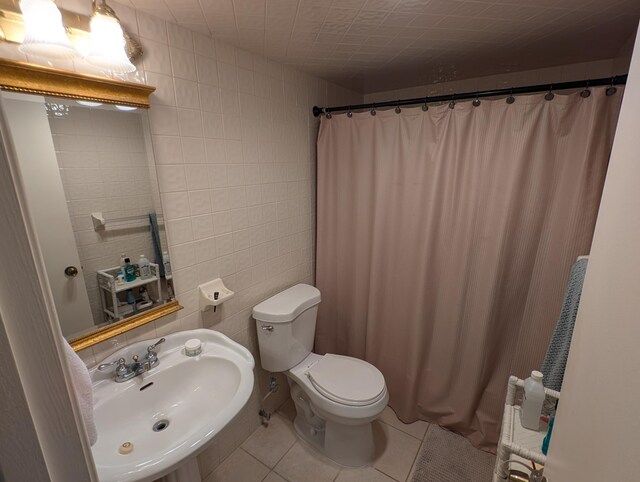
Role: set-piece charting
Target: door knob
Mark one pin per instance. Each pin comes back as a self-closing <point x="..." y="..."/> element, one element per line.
<point x="71" y="271"/>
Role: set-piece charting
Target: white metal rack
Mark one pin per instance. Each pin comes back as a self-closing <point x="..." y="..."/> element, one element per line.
<point x="109" y="289"/>
<point x="517" y="442"/>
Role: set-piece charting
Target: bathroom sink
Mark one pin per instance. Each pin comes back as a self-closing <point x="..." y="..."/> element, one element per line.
<point x="171" y="412"/>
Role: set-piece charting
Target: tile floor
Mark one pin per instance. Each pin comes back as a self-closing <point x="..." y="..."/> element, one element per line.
<point x="275" y="454"/>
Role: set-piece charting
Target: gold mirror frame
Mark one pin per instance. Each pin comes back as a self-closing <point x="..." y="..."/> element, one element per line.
<point x="36" y="79"/>
<point x="118" y="327"/>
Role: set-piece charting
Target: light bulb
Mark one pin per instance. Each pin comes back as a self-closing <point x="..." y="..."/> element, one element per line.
<point x="44" y="33"/>
<point x="125" y="107"/>
<point x="107" y="42"/>
<point x="88" y="103"/>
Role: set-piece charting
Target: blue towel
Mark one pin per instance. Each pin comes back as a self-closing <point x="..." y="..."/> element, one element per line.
<point x="555" y="360"/>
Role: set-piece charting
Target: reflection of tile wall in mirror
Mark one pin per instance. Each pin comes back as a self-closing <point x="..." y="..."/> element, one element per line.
<point x="104" y="168"/>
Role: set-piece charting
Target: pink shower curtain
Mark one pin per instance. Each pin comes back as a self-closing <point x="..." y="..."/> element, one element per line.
<point x="445" y="239"/>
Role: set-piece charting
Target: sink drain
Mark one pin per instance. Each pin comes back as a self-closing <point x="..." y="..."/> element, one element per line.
<point x="160" y="425"/>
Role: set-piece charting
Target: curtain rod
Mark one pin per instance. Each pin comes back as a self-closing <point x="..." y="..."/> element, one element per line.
<point x="530" y="89"/>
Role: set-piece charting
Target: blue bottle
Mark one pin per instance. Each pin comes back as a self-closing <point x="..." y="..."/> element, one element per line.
<point x="131" y="300"/>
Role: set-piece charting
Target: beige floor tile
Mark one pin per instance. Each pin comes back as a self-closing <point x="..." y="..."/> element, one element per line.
<point x="395" y="450"/>
<point x="288" y="410"/>
<point x="365" y="474"/>
<point x="303" y="464"/>
<point x="239" y="467"/>
<point x="415" y="429"/>
<point x="273" y="477"/>
<point x="269" y="444"/>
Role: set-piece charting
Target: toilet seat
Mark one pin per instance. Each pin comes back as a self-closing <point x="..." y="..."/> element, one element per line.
<point x="346" y="380"/>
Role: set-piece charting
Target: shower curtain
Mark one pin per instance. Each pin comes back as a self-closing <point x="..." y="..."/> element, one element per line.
<point x="444" y="242"/>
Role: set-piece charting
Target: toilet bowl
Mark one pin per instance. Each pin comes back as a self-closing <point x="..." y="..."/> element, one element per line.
<point x="336" y="397"/>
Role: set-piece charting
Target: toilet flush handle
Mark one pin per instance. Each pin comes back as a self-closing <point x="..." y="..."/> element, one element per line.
<point x="267" y="328"/>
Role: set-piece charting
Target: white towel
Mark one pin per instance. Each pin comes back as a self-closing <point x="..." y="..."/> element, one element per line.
<point x="81" y="382"/>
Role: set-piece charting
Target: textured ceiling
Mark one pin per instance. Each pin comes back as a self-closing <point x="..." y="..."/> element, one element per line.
<point x="374" y="45"/>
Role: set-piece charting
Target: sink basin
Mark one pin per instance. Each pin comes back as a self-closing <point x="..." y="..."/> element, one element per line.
<point x="172" y="411"/>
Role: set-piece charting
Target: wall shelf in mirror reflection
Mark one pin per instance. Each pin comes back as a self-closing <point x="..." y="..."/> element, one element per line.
<point x="100" y="222"/>
<point x="75" y="160"/>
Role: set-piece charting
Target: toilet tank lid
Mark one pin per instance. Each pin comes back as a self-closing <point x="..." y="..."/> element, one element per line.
<point x="288" y="304"/>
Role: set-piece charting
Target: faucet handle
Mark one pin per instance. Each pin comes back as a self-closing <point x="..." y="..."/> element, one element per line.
<point x="154" y="346"/>
<point x="120" y="362"/>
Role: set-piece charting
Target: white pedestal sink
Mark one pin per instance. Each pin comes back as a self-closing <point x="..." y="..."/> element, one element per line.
<point x="171" y="412"/>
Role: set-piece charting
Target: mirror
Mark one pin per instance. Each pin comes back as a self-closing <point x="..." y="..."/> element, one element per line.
<point x="89" y="179"/>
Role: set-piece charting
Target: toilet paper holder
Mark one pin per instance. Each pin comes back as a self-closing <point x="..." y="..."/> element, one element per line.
<point x="213" y="294"/>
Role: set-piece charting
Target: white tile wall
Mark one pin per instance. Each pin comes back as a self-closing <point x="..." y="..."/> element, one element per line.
<point x="234" y="141"/>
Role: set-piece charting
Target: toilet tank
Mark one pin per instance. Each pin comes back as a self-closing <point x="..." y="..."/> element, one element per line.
<point x="286" y="325"/>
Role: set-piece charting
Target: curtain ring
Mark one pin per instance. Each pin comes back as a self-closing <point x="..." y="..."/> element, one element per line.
<point x="586" y="92"/>
<point x="611" y="89"/>
<point x="476" y="101"/>
<point x="452" y="104"/>
<point x="511" y="99"/>
<point x="373" y="110"/>
<point x="549" y="95"/>
<point x="398" y="109"/>
<point x="328" y="114"/>
<point x="425" y="107"/>
<point x="349" y="113"/>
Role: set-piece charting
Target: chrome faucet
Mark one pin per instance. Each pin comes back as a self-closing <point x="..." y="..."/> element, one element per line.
<point x="126" y="371"/>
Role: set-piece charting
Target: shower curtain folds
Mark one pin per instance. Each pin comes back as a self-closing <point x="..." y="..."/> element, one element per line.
<point x="444" y="242"/>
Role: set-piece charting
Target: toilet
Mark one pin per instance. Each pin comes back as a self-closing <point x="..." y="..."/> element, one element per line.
<point x="336" y="397"/>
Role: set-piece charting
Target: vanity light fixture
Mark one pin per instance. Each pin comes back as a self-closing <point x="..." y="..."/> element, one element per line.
<point x="125" y="107"/>
<point x="44" y="34"/>
<point x="43" y="30"/>
<point x="88" y="103"/>
<point x="108" y="44"/>
<point x="56" y="110"/>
